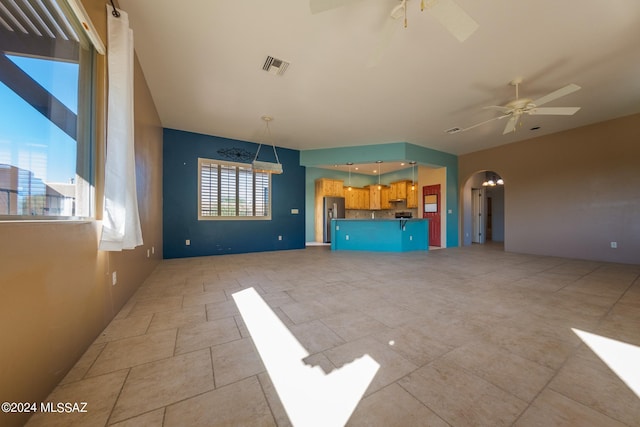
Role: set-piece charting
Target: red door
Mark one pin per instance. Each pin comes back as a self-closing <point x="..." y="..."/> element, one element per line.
<point x="431" y="210"/>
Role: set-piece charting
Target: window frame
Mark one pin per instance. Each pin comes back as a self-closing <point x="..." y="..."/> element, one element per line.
<point x="84" y="200"/>
<point x="202" y="162"/>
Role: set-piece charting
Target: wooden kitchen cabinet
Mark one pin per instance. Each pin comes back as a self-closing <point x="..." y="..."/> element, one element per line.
<point x="325" y="187"/>
<point x="330" y="187"/>
<point x="356" y="198"/>
<point x="384" y="198"/>
<point x="374" y="197"/>
<point x="362" y="196"/>
<point x="351" y="198"/>
<point x="377" y="200"/>
<point x="412" y="196"/>
<point x="400" y="190"/>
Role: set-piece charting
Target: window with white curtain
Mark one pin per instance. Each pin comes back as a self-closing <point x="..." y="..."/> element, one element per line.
<point x="229" y="191"/>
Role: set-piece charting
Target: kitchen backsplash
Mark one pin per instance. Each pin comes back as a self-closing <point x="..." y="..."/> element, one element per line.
<point x="387" y="213"/>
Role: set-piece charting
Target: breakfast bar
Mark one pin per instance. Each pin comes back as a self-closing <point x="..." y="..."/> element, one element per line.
<point x="382" y="235"/>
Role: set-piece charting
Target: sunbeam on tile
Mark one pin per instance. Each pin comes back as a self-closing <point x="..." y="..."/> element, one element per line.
<point x="309" y="396"/>
<point x="622" y="358"/>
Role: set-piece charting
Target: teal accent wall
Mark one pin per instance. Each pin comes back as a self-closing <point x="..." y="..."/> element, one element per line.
<point x="397" y="151"/>
<point x="356" y="154"/>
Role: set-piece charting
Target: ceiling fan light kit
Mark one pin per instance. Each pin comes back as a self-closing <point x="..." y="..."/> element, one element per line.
<point x="447" y="12"/>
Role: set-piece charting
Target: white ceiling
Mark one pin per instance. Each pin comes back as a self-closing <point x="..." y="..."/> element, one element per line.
<point x="373" y="169"/>
<point x="203" y="62"/>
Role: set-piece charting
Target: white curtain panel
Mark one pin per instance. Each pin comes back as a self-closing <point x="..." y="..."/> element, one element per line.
<point x="121" y="220"/>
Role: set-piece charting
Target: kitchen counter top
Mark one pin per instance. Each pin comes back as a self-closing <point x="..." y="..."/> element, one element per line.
<point x="380" y="234"/>
<point x="379" y="219"/>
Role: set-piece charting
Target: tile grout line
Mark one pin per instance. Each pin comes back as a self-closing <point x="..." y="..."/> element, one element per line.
<point x="115" y="402"/>
<point x="574" y="353"/>
<point x="264" y="394"/>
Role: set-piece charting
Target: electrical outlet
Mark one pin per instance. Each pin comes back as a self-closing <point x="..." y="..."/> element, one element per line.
<point x="187" y="242"/>
<point x="614" y="245"/>
<point x="153" y="250"/>
<point x="114" y="278"/>
<point x="148" y="253"/>
<point x="279" y="237"/>
<point x="347" y="237"/>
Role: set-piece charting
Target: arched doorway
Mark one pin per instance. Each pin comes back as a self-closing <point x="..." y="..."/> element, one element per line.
<point x="483" y="201"/>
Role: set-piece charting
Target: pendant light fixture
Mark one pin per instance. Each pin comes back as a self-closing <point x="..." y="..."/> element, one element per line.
<point x="267" y="167"/>
<point x="491" y="179"/>
<point x="413" y="181"/>
<point x="349" y="164"/>
<point x="379" y="162"/>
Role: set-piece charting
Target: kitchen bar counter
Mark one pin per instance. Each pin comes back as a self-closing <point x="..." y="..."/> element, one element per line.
<point x="384" y="235"/>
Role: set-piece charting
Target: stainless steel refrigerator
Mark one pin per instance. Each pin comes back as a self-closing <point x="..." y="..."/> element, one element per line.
<point x="333" y="207"/>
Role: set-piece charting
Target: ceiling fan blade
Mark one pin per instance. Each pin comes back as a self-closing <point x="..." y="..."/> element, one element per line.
<point x="400" y="10"/>
<point x="485" y="122"/>
<point x="556" y="111"/>
<point x="453" y="18"/>
<point x="502" y="109"/>
<point x="557" y="94"/>
<point x="386" y="35"/>
<point x="511" y="124"/>
<point x="319" y="6"/>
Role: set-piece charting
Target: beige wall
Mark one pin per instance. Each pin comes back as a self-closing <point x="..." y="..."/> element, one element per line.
<point x="569" y="194"/>
<point x="55" y="290"/>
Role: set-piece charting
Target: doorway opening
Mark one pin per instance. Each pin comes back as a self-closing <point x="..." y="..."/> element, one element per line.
<point x="478" y="215"/>
<point x="483" y="214"/>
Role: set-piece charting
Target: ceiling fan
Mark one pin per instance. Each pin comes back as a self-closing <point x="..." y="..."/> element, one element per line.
<point x="447" y="12"/>
<point x="520" y="106"/>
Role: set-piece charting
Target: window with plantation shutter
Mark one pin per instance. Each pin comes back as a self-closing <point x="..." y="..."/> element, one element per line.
<point x="232" y="191"/>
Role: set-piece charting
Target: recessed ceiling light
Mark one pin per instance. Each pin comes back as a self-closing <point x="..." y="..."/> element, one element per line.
<point x="535" y="128"/>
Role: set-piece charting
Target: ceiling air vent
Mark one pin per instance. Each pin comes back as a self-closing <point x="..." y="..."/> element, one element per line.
<point x="275" y="66"/>
<point x="453" y="130"/>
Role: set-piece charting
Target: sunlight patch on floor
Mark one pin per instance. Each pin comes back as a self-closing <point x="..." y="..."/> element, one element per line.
<point x="310" y="397"/>
<point x="622" y="358"/>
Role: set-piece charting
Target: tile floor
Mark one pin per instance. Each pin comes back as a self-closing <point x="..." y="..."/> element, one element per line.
<point x="464" y="336"/>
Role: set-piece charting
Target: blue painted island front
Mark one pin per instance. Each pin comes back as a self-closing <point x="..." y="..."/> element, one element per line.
<point x="382" y="235"/>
